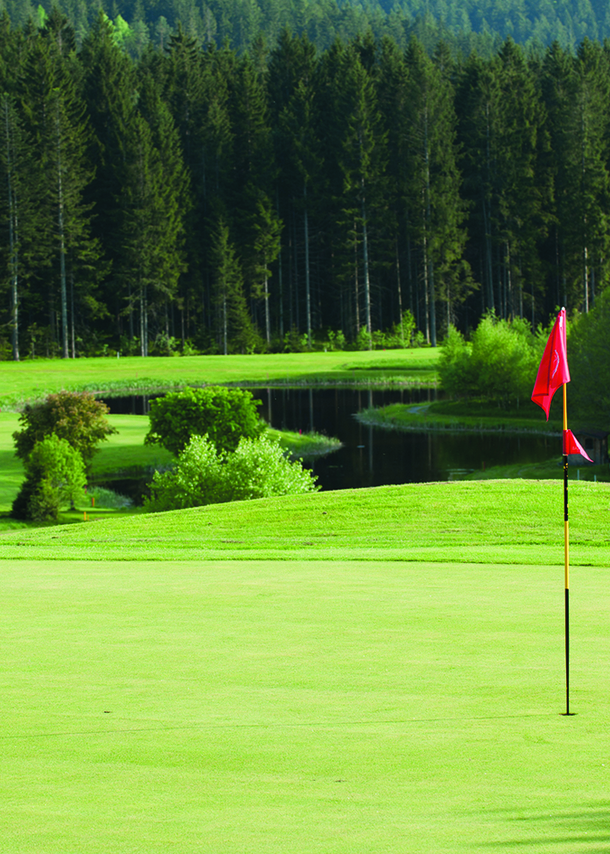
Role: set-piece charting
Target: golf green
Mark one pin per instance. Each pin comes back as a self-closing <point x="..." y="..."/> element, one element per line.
<point x="291" y="706"/>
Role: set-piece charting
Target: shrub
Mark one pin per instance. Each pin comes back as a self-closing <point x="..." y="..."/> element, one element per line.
<point x="224" y="415"/>
<point x="402" y="335"/>
<point x="588" y="349"/>
<point x="55" y="476"/>
<point x="499" y="363"/>
<point x="258" y="468"/>
<point x="76" y="417"/>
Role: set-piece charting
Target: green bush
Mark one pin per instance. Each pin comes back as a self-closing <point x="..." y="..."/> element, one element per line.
<point x="588" y="357"/>
<point x="224" y="415"/>
<point x="77" y="417"/>
<point x="55" y="476"/>
<point x="402" y="335"/>
<point x="499" y="364"/>
<point x="258" y="468"/>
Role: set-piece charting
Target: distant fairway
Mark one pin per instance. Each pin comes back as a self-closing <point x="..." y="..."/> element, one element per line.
<point x="22" y="381"/>
<point x="164" y="688"/>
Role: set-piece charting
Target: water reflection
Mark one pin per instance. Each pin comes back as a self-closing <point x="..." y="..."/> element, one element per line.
<point x="371" y="456"/>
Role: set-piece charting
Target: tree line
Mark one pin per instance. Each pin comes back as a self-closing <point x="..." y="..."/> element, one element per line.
<point x="464" y="23"/>
<point x="200" y="200"/>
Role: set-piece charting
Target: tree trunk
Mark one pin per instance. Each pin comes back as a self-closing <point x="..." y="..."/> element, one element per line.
<point x="367" y="282"/>
<point x="13" y="252"/>
<point x="307" y="277"/>
<point x="62" y="247"/>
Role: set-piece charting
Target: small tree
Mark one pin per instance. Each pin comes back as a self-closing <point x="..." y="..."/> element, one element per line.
<point x="224" y="415"/>
<point x="55" y="476"/>
<point x="76" y="417"/>
<point x="588" y="348"/>
<point x="498" y="364"/>
<point x="258" y="468"/>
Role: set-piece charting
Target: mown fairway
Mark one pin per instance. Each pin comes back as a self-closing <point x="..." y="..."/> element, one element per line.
<point x="22" y="381"/>
<point x="159" y="698"/>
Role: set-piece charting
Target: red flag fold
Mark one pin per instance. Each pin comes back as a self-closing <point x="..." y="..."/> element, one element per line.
<point x="553" y="371"/>
<point x="571" y="445"/>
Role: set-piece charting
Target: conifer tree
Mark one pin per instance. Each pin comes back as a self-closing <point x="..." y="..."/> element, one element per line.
<point x="109" y="86"/>
<point x="55" y="119"/>
<point x="522" y="192"/>
<point x="174" y="196"/>
<point x="234" y="328"/>
<point x="435" y="207"/>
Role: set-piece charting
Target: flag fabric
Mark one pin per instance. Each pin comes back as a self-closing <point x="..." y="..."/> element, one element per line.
<point x="571" y="445"/>
<point x="553" y="371"/>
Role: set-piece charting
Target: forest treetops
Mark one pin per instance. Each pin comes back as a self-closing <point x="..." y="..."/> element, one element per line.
<point x="199" y="198"/>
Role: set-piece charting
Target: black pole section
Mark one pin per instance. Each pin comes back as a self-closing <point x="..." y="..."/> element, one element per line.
<point x="567" y="580"/>
<point x="567" y="650"/>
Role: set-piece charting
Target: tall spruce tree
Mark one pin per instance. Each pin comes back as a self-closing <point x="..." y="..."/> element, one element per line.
<point x="296" y="143"/>
<point x="435" y="209"/>
<point x="234" y="329"/>
<point x="109" y="85"/>
<point x="56" y="121"/>
<point x="522" y="191"/>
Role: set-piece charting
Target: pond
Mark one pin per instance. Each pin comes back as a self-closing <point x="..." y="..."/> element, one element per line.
<point x="372" y="456"/>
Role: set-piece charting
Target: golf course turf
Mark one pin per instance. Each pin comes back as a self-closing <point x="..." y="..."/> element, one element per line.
<point x="259" y="706"/>
<point x="374" y="671"/>
<point x="157" y="697"/>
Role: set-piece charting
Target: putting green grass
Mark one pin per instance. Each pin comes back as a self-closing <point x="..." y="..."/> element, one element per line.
<point x="22" y="381"/>
<point x="301" y="707"/>
<point x="504" y="521"/>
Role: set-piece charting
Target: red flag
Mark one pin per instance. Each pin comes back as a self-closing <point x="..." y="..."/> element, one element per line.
<point x="553" y="371"/>
<point x="571" y="445"/>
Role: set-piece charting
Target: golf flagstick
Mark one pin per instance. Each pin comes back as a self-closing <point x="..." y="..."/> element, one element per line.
<point x="553" y="373"/>
<point x="566" y="525"/>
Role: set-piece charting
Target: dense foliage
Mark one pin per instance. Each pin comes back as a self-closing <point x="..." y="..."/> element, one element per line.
<point x="589" y="358"/>
<point x="76" y="417"/>
<point x="55" y="477"/>
<point x="202" y="199"/>
<point x="498" y="364"/>
<point x="224" y="415"/>
<point x="468" y="23"/>
<point x="257" y="468"/>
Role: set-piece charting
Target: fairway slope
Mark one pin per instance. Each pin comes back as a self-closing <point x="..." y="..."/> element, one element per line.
<point x="503" y="521"/>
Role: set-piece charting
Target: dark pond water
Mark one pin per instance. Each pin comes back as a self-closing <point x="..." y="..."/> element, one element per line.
<point x="371" y="456"/>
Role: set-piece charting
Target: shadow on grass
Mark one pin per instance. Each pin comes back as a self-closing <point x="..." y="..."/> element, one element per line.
<point x="561" y="830"/>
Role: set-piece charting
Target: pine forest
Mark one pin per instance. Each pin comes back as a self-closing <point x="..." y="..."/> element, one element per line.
<point x="190" y="196"/>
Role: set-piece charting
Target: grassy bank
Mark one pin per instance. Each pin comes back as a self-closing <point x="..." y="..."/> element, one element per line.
<point x="456" y="416"/>
<point x="508" y="521"/>
<point x="549" y="469"/>
<point x="29" y="380"/>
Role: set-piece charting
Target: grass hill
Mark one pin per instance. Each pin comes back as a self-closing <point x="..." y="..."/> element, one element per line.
<point x="504" y="522"/>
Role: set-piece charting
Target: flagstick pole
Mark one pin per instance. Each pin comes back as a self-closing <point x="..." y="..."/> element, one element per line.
<point x="566" y="550"/>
